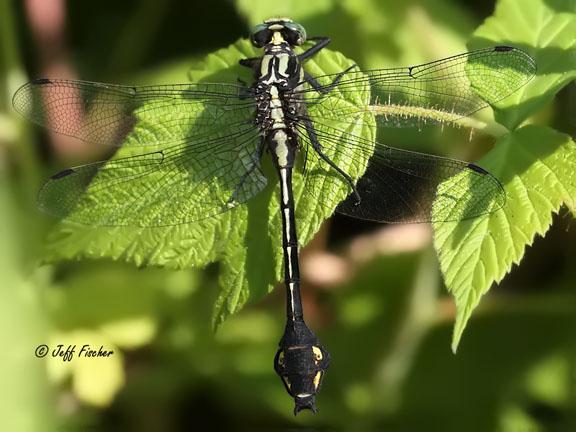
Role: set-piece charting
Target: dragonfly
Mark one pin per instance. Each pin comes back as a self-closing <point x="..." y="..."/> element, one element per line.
<point x="209" y="140"/>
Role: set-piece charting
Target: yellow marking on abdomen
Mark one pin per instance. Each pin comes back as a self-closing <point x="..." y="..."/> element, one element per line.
<point x="317" y="379"/>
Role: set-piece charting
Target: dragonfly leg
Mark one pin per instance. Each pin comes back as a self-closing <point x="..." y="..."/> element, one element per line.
<point x="251" y="62"/>
<point x="245" y="91"/>
<point x="325" y="89"/>
<point x="254" y="163"/>
<point x="318" y="148"/>
<point x="321" y="42"/>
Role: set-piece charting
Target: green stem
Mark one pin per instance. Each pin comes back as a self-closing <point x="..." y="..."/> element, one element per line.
<point x="438" y="116"/>
<point x="418" y="319"/>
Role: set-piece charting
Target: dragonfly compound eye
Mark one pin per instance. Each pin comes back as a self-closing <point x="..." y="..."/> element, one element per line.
<point x="294" y="33"/>
<point x="261" y="35"/>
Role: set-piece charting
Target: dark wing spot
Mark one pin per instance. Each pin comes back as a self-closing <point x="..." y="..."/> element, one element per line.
<point x="502" y="48"/>
<point x="478" y="169"/>
<point x="41" y="81"/>
<point x="61" y="174"/>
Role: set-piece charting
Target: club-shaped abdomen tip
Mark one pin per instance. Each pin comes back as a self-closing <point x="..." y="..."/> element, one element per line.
<point x="307" y="402"/>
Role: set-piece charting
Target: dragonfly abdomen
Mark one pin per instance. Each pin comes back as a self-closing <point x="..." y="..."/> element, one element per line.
<point x="300" y="360"/>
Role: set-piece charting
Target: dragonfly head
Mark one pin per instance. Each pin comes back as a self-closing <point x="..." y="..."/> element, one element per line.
<point x="276" y="31"/>
<point x="301" y="365"/>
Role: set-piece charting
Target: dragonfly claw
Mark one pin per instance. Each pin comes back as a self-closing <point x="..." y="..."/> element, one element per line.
<point x="302" y="403"/>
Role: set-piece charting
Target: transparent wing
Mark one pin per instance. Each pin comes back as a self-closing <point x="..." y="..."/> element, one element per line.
<point x="400" y="186"/>
<point x="106" y="113"/>
<point x="184" y="182"/>
<point x="440" y="91"/>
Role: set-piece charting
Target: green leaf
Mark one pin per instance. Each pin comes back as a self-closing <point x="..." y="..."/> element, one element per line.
<point x="246" y="241"/>
<point x="473" y="254"/>
<point x="546" y="29"/>
<point x="536" y="166"/>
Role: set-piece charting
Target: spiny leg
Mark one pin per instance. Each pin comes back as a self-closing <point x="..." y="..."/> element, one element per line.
<point x="318" y="148"/>
<point x="313" y="82"/>
<point x="321" y="43"/>
<point x="245" y="91"/>
<point x="251" y="62"/>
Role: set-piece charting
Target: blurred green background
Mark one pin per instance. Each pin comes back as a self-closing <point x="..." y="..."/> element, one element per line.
<point x="374" y="294"/>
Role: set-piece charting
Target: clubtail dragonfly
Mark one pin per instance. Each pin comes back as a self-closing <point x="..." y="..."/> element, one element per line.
<point x="235" y="124"/>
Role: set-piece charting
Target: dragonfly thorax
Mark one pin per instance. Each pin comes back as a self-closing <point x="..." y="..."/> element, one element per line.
<point x="278" y="74"/>
<point x="280" y="66"/>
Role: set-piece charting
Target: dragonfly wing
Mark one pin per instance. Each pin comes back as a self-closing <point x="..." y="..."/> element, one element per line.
<point x="184" y="182"/>
<point x="399" y="186"/>
<point x="440" y="91"/>
<point x="106" y="113"/>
